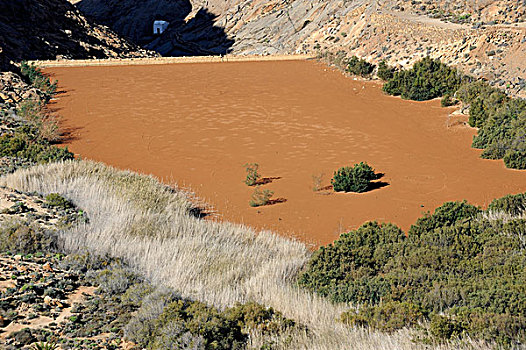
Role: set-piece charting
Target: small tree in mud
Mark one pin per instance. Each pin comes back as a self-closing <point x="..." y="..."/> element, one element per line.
<point x="353" y="179"/>
<point x="252" y="173"/>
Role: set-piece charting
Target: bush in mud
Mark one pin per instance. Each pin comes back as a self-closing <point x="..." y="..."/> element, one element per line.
<point x="353" y="179"/>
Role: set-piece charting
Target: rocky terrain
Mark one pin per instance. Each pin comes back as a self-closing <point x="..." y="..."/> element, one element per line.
<point x="484" y="38"/>
<point x="51" y="29"/>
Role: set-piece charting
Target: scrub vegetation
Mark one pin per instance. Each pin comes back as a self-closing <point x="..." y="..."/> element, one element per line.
<point x="353" y="179"/>
<point x="500" y="119"/>
<point x="219" y="272"/>
<point x="458" y="269"/>
<point x="168" y="279"/>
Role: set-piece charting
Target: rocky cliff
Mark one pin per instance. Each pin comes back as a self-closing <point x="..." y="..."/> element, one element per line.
<point x="484" y="38"/>
<point x="50" y="29"/>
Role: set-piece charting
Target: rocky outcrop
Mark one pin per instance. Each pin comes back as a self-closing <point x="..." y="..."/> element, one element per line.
<point x="50" y="29"/>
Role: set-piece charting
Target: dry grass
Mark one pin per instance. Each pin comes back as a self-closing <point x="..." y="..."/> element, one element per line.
<point x="137" y="218"/>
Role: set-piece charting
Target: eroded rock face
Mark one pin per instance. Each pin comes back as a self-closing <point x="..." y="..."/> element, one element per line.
<point x="484" y="38"/>
<point x="50" y="29"/>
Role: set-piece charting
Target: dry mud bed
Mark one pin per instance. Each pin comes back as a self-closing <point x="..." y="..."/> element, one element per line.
<point x="197" y="124"/>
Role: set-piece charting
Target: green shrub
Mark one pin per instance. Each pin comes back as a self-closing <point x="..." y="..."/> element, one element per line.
<point x="387" y="317"/>
<point x="384" y="71"/>
<point x="260" y="197"/>
<point x="23" y="144"/>
<point x="515" y="159"/>
<point x="453" y="263"/>
<point x="345" y="270"/>
<point x="56" y="200"/>
<point x="353" y="179"/>
<point x="447" y="214"/>
<point x="37" y="78"/>
<point x="443" y="327"/>
<point x="166" y="321"/>
<point x="510" y="204"/>
<point x="358" y="66"/>
<point x="254" y="316"/>
<point x="427" y="79"/>
<point x="21" y="237"/>
<point x="45" y="346"/>
<point x="447" y="101"/>
<point x="252" y="173"/>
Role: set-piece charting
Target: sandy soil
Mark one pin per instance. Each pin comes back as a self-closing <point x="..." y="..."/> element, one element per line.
<point x="197" y="124"/>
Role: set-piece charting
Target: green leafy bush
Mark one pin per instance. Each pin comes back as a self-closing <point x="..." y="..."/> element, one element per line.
<point x="37" y="78"/>
<point x="165" y="321"/>
<point x="515" y="159"/>
<point x="447" y="101"/>
<point x="45" y="126"/>
<point x="446" y="215"/>
<point x="260" y="197"/>
<point x="23" y="144"/>
<point x="358" y="66"/>
<point x="386" y="317"/>
<point x="353" y="179"/>
<point x="427" y="79"/>
<point x="252" y="174"/>
<point x="56" y="200"/>
<point x="21" y="237"/>
<point x="510" y="204"/>
<point x="444" y="327"/>
<point x="384" y="71"/>
<point x="452" y="263"/>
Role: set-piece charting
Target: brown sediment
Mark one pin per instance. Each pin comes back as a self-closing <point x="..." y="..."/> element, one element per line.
<point x="197" y="124"/>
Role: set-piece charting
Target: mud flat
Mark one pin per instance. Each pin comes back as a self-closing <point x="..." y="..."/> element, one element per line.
<point x="197" y="124"/>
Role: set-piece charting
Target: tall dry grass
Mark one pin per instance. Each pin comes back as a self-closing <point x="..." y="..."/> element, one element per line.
<point x="136" y="218"/>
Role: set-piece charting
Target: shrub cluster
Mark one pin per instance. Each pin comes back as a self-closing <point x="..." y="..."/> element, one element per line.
<point x="56" y="200"/>
<point x="353" y="179"/>
<point x="21" y="237"/>
<point x="501" y="120"/>
<point x="463" y="273"/>
<point x="37" y="78"/>
<point x="384" y="71"/>
<point x="159" y="318"/>
<point x="427" y="79"/>
<point x="358" y="66"/>
<point x="25" y="143"/>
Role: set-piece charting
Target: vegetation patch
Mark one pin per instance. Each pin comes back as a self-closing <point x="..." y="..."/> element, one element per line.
<point x="260" y="197"/>
<point x="37" y="78"/>
<point x="25" y="144"/>
<point x="427" y="79"/>
<point x="501" y="120"/>
<point x="455" y="268"/>
<point x="252" y="174"/>
<point x="358" y="66"/>
<point x="354" y="179"/>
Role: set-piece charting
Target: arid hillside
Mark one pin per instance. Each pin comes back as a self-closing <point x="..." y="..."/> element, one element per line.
<point x="484" y="38"/>
<point x="50" y="29"/>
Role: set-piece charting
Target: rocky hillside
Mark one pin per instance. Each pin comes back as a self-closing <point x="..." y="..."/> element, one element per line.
<point x="484" y="38"/>
<point x="50" y="29"/>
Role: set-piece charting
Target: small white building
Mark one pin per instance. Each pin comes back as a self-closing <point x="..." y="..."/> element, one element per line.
<point x="159" y="27"/>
